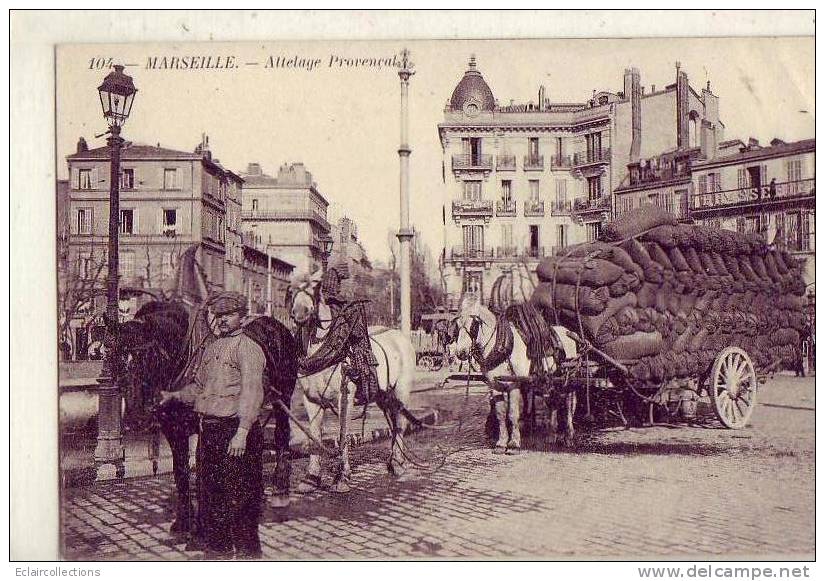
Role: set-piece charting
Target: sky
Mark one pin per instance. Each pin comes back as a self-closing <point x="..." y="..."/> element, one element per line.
<point x="341" y="117"/>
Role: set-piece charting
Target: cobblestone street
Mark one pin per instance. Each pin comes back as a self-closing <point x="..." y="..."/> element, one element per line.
<point x="654" y="492"/>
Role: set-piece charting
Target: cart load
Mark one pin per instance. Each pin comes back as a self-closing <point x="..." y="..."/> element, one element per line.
<point x="666" y="298"/>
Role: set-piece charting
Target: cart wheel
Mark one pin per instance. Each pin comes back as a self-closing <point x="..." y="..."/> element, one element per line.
<point x="436" y="363"/>
<point x="732" y="387"/>
<point x="425" y="362"/>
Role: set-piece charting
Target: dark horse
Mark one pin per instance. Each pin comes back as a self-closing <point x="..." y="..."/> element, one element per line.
<point x="158" y="350"/>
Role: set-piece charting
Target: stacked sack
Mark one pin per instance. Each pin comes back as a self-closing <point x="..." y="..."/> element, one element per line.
<point x="666" y="298"/>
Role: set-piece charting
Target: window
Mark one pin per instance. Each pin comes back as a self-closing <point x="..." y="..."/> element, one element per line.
<point x="507" y="238"/>
<point x="170" y="222"/>
<point x="594" y="188"/>
<point x="127" y="179"/>
<point x="84" y="179"/>
<point x="166" y="265"/>
<point x="170" y="179"/>
<point x="83" y="221"/>
<point x="559" y="148"/>
<point x="561" y="235"/>
<point x="533" y="148"/>
<point x="793" y="168"/>
<point x="255" y="205"/>
<point x="624" y="204"/>
<point x="473" y="238"/>
<point x="594" y="230"/>
<point x="472" y="283"/>
<point x="561" y="192"/>
<point x="127" y="221"/>
<point x="594" y="145"/>
<point x="506" y="192"/>
<point x="534" y="190"/>
<point x="472" y="190"/>
<point x="126" y="263"/>
<point x="85" y="267"/>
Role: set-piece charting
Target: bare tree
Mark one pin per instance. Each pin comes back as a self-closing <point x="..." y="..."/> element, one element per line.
<point x="78" y="286"/>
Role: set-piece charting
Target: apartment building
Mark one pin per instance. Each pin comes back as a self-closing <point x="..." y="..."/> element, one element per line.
<point x="524" y="180"/>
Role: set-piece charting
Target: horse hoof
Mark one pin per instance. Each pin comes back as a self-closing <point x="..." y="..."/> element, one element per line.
<point x="279" y="500"/>
<point x="342" y="487"/>
<point x="513" y="451"/>
<point x="499" y="450"/>
<point x="568" y="442"/>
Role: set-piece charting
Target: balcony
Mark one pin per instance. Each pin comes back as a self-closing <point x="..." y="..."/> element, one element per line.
<point x="755" y="197"/>
<point x="533" y="162"/>
<point x="585" y="204"/>
<point x="287" y="215"/>
<point x="534" y="208"/>
<point x="505" y="208"/>
<point x="595" y="157"/>
<point x="536" y="252"/>
<point x="469" y="254"/>
<point x="472" y="162"/>
<point x="472" y="209"/>
<point x="505" y="163"/>
<point x="561" y="162"/>
<point x="561" y="208"/>
<point x="507" y="252"/>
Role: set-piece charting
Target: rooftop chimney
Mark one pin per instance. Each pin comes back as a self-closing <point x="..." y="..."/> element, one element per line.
<point x="82" y="145"/>
<point x="682" y="96"/>
<point x="635" y="114"/>
<point x="254" y="169"/>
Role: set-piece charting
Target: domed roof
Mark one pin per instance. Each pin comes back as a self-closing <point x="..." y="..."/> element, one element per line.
<point x="472" y="89"/>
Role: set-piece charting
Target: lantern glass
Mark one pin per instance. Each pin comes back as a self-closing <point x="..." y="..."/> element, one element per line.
<point x="117" y="94"/>
<point x="326" y="244"/>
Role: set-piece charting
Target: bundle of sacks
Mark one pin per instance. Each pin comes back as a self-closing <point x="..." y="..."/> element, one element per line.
<point x="666" y="298"/>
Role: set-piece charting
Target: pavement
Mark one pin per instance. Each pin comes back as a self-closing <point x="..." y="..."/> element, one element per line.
<point x="643" y="493"/>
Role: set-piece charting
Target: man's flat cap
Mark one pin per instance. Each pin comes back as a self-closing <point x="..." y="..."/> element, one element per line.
<point x="227" y="302"/>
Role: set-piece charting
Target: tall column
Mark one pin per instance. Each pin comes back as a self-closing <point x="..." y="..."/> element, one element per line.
<point x="109" y="450"/>
<point x="405" y="234"/>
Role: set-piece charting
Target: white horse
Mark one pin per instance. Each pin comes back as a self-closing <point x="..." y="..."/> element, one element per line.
<point x="477" y="331"/>
<point x="329" y="391"/>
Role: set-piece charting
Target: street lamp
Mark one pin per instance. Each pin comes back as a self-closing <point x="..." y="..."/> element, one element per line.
<point x="117" y="93"/>
<point x="326" y="249"/>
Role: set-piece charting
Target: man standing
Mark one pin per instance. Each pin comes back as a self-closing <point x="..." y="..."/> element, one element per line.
<point x="227" y="395"/>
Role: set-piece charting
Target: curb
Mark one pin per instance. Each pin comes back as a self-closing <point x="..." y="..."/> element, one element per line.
<point x="144" y="467"/>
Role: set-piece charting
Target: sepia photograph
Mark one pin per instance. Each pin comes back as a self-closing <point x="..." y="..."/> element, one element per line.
<point x="405" y="299"/>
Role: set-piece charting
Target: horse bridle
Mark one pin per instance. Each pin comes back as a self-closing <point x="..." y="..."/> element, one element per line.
<point x="475" y="327"/>
<point x="319" y="321"/>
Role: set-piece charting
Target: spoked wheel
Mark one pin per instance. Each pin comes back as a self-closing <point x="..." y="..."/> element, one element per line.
<point x="732" y="387"/>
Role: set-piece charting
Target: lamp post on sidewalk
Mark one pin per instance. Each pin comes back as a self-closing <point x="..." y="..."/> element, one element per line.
<point x="326" y="249"/>
<point x="405" y="234"/>
<point x="117" y="93"/>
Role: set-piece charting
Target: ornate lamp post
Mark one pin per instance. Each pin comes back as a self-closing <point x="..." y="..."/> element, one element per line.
<point x="326" y="249"/>
<point x="117" y="93"/>
<point x="405" y="234"/>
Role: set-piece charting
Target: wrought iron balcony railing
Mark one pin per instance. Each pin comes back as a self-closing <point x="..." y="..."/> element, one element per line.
<point x="561" y="208"/>
<point x="505" y="162"/>
<point x="472" y="208"/>
<point x="561" y="162"/>
<point x="507" y="252"/>
<point x="311" y="215"/>
<point x="470" y="253"/>
<point x="533" y="208"/>
<point x="470" y="161"/>
<point x="585" y="204"/>
<point x="744" y="196"/>
<point x="596" y="156"/>
<point x="533" y="162"/>
<point x="505" y="208"/>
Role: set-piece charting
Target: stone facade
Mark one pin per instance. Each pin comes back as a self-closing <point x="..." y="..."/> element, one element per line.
<point x="522" y="181"/>
<point x="287" y="213"/>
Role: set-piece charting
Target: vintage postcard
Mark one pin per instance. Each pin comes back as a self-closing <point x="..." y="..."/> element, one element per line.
<point x="483" y="299"/>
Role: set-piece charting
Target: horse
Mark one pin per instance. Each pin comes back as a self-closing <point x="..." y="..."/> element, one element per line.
<point x="158" y="349"/>
<point x="502" y="353"/>
<point x="328" y="390"/>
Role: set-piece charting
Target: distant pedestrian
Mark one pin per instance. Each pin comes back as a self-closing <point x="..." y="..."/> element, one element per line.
<point x="228" y="394"/>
